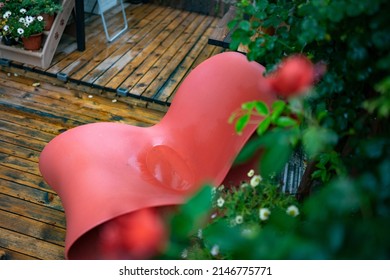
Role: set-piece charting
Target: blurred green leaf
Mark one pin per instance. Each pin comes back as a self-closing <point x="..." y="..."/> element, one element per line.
<point x="317" y="139"/>
<point x="284" y="121"/>
<point x="242" y="122"/>
<point x="263" y="126"/>
<point x="261" y="108"/>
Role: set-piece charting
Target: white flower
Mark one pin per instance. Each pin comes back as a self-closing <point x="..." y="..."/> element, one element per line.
<point x="20" y="31"/>
<point x="239" y="219"/>
<point x="264" y="214"/>
<point x="292" y="210"/>
<point x="255" y="181"/>
<point x="200" y="233"/>
<point x="22" y="20"/>
<point x="221" y="187"/>
<point x="220" y="202"/>
<point x="214" y="215"/>
<point x="215" y="250"/>
<point x="40" y="18"/>
<point x="23" y="11"/>
<point x="184" y="254"/>
<point x="251" y="173"/>
<point x="5" y="28"/>
<point x="26" y="24"/>
<point x="29" y="19"/>
<point x="244" y="185"/>
<point x="7" y="14"/>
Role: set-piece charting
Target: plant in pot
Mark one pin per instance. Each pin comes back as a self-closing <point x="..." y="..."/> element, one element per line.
<point x="48" y="9"/>
<point x="6" y="28"/>
<point x="30" y="29"/>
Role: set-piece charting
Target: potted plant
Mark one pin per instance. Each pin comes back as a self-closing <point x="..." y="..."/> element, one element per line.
<point x="29" y="29"/>
<point x="48" y="9"/>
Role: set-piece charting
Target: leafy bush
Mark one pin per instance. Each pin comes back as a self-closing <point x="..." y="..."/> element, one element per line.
<point x="342" y="125"/>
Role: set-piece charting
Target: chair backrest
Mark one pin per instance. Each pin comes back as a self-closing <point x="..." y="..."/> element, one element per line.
<point x="198" y="118"/>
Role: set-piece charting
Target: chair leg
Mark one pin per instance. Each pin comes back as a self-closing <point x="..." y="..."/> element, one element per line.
<point x="116" y="35"/>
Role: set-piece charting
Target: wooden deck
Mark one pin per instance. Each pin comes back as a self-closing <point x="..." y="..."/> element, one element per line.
<point x="146" y="63"/>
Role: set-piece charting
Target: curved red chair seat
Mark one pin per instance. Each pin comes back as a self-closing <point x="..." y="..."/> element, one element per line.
<point x="104" y="170"/>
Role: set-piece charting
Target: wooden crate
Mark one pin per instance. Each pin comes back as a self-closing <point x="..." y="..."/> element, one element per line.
<point x="44" y="56"/>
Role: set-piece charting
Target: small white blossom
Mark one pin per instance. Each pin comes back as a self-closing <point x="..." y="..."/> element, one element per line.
<point x="200" y="233"/>
<point x="251" y="173"/>
<point x="220" y="202"/>
<point x="292" y="210"/>
<point x="29" y="19"/>
<point x="7" y="14"/>
<point x="20" y="31"/>
<point x="264" y="214"/>
<point x="221" y="187"/>
<point x="247" y="232"/>
<point x="184" y="254"/>
<point x="255" y="181"/>
<point x="214" y="215"/>
<point x="39" y="18"/>
<point x="22" y="20"/>
<point x="244" y="185"/>
<point x="26" y="24"/>
<point x="239" y="219"/>
<point x="215" y="250"/>
<point x="22" y="11"/>
<point x="5" y="28"/>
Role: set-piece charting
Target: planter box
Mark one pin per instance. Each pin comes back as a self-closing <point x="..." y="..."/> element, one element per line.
<point x="43" y="57"/>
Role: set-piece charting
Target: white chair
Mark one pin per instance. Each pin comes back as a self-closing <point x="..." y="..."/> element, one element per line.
<point x="102" y="9"/>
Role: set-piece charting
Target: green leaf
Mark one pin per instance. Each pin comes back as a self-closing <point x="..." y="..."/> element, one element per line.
<point x="261" y="108"/>
<point x="277" y="109"/>
<point x="277" y="151"/>
<point x="248" y="106"/>
<point x="242" y="122"/>
<point x="248" y="151"/>
<point x="263" y="126"/>
<point x="245" y="25"/>
<point x="285" y="122"/>
<point x="192" y="214"/>
<point x="317" y="139"/>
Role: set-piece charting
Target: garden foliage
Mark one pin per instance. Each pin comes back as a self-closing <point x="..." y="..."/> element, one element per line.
<point x="342" y="124"/>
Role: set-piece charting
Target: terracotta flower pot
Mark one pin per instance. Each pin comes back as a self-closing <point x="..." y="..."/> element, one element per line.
<point x="33" y="42"/>
<point x="49" y="19"/>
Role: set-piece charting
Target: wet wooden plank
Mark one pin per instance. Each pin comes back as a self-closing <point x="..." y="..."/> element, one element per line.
<point x="34" y="195"/>
<point x="32" y="228"/>
<point x="32" y="211"/>
<point x="180" y="62"/>
<point x="103" y="59"/>
<point x="40" y="249"/>
<point x="162" y="56"/>
<point x="120" y="70"/>
<point x="6" y="254"/>
<point x="18" y="163"/>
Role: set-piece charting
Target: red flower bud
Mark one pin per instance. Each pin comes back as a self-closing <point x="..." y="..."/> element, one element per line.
<point x="137" y="235"/>
<point x="294" y="75"/>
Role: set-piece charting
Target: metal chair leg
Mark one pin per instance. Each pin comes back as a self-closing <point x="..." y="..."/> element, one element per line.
<point x="116" y="35"/>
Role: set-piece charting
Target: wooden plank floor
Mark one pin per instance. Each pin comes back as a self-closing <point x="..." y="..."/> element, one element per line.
<point x="32" y="222"/>
<point x="148" y="61"/>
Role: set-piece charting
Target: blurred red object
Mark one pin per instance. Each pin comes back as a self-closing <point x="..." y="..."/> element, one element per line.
<point x="137" y="235"/>
<point x="293" y="77"/>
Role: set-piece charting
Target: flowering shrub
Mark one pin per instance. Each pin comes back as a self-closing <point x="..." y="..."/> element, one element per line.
<point x="343" y="206"/>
